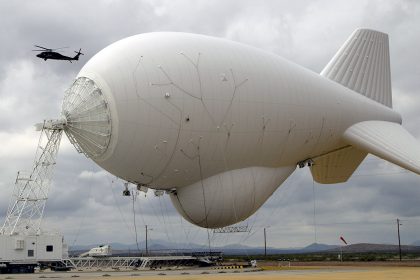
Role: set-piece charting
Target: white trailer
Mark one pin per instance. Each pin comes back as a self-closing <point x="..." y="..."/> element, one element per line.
<point x="20" y="253"/>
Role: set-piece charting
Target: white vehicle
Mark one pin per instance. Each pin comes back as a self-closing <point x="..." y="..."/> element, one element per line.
<point x="220" y="125"/>
<point x="101" y="251"/>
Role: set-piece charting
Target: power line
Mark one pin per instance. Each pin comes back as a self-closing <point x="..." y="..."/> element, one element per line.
<point x="84" y="216"/>
<point x="133" y="195"/>
<point x="118" y="206"/>
<point x="314" y="217"/>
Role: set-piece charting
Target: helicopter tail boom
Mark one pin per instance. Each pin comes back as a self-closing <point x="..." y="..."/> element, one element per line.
<point x="76" y="57"/>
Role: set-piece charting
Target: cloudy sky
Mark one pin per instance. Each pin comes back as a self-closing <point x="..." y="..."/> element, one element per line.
<point x="86" y="204"/>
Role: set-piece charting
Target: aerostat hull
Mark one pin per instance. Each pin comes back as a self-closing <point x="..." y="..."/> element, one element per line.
<point x="174" y="110"/>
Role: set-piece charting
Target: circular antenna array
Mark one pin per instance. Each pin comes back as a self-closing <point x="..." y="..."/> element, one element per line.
<point x="88" y="118"/>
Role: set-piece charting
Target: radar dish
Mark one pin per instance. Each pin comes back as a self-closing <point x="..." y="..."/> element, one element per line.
<point x="88" y="118"/>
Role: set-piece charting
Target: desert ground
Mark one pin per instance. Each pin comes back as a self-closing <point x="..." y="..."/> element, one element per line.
<point x="267" y="273"/>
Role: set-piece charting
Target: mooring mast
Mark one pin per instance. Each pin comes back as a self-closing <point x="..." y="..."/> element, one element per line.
<point x="30" y="193"/>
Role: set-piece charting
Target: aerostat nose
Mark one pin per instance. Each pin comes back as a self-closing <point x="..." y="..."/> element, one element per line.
<point x="88" y="117"/>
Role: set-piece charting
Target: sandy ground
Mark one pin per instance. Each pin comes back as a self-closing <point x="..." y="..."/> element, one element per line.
<point x="320" y="273"/>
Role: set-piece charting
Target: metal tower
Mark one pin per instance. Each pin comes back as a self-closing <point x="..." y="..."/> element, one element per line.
<point x="30" y="193"/>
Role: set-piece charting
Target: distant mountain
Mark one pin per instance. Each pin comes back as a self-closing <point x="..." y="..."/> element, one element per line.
<point x="162" y="246"/>
<point x="230" y="249"/>
<point x="416" y="243"/>
<point x="377" y="248"/>
<point x="152" y="245"/>
<point x="317" y="247"/>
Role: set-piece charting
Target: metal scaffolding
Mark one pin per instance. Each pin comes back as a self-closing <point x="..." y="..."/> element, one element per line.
<point x="130" y="262"/>
<point x="26" y="208"/>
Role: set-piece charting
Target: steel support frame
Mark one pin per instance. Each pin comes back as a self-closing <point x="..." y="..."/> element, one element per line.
<point x="26" y="207"/>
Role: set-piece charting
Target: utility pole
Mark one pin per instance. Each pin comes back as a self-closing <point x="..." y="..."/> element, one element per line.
<point x="147" y="249"/>
<point x="265" y="243"/>
<point x="399" y="239"/>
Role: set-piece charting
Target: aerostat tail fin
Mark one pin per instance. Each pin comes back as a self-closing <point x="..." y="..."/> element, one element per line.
<point x="362" y="64"/>
<point x="387" y="140"/>
<point x="337" y="166"/>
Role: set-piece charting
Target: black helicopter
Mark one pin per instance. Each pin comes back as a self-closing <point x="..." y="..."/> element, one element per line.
<point x="47" y="53"/>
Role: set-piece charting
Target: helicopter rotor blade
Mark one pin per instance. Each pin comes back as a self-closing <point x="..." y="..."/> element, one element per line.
<point x="48" y="49"/>
<point x="43" y="48"/>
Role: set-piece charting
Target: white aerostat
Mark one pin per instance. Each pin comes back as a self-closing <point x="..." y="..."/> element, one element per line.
<point x="221" y="125"/>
